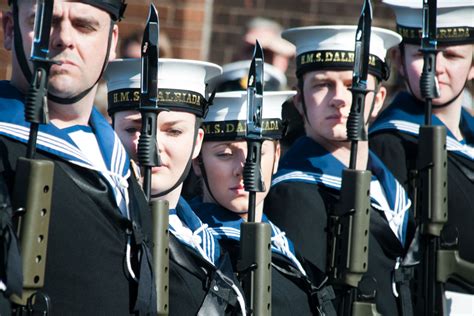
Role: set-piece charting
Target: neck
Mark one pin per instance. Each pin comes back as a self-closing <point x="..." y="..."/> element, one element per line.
<point x="342" y="151"/>
<point x="66" y="115"/>
<point x="172" y="197"/>
<point x="258" y="209"/>
<point x="450" y="116"/>
<point x="258" y="213"/>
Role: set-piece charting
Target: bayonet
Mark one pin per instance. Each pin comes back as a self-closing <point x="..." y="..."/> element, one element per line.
<point x="147" y="152"/>
<point x="252" y="172"/>
<point x="255" y="237"/>
<point x="428" y="83"/>
<point x="148" y="156"/>
<point x="33" y="186"/>
<point x="36" y="108"/>
<point x="440" y="258"/>
<point x="356" y="129"/>
<point x="255" y="95"/>
<point x="42" y="28"/>
<point x="349" y="224"/>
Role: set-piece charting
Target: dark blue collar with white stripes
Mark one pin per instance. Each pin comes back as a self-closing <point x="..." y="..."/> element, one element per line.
<point x="57" y="142"/>
<point x="226" y="225"/>
<point x="191" y="231"/>
<point x="405" y="114"/>
<point x="309" y="162"/>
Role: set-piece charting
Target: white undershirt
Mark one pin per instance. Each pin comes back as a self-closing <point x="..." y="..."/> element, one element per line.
<point x="459" y="304"/>
<point x="89" y="146"/>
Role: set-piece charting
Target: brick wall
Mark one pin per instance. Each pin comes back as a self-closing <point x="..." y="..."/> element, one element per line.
<point x="231" y="16"/>
<point x="212" y="29"/>
<point x="183" y="21"/>
<point x="5" y="69"/>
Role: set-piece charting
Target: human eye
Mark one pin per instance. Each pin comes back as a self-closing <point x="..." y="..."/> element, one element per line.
<point x="132" y="130"/>
<point x="451" y="54"/>
<point x="174" y="132"/>
<point x="321" y="85"/>
<point x="85" y="25"/>
<point x="224" y="154"/>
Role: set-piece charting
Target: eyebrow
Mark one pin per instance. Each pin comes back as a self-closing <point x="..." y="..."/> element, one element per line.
<point x="87" y="20"/>
<point x="221" y="144"/>
<point x="320" y="77"/>
<point x="175" y="122"/>
<point x="132" y="120"/>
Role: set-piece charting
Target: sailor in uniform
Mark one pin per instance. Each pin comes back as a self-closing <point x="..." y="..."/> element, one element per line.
<point x="307" y="186"/>
<point x="296" y="285"/>
<point x="200" y="275"/>
<point x="91" y="252"/>
<point x="394" y="135"/>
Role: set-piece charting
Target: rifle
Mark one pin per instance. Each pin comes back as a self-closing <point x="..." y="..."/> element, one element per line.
<point x="148" y="156"/>
<point x="255" y="237"/>
<point x="349" y="224"/>
<point x="440" y="258"/>
<point x="34" y="178"/>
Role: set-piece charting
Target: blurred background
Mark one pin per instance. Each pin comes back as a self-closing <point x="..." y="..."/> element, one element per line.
<point x="214" y="30"/>
<point x="220" y="31"/>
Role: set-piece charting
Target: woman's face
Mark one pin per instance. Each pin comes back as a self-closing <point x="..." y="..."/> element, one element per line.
<point x="454" y="67"/>
<point x="223" y="162"/>
<point x="175" y="136"/>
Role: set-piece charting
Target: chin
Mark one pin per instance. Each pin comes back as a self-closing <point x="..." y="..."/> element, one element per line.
<point x="61" y="90"/>
<point x="239" y="207"/>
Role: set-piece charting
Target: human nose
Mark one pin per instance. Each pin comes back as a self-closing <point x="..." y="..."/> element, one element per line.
<point x="341" y="96"/>
<point x="440" y="63"/>
<point x="62" y="36"/>
<point x="238" y="165"/>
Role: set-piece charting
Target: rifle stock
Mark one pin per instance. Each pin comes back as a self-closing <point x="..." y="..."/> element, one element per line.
<point x="159" y="212"/>
<point x="256" y="258"/>
<point x="32" y="194"/>
<point x="349" y="223"/>
<point x="432" y="215"/>
<point x="349" y="242"/>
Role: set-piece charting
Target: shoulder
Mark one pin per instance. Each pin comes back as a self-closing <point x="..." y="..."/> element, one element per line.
<point x="293" y="195"/>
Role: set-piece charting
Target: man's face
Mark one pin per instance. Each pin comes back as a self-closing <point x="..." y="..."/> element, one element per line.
<point x="79" y="36"/>
<point x="453" y="68"/>
<point x="328" y="101"/>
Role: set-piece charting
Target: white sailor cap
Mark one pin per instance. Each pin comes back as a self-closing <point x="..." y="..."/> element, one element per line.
<point x="235" y="75"/>
<point x="454" y="20"/>
<point x="181" y="84"/>
<point x="226" y="119"/>
<point x="332" y="47"/>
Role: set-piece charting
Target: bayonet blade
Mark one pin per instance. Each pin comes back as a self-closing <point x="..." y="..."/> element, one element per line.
<point x="149" y="58"/>
<point x="255" y="94"/>
<point x="42" y="29"/>
<point x="428" y="38"/>
<point x="362" y="46"/>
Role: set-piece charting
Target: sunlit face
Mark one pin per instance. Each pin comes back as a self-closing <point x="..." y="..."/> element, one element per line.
<point x="224" y="162"/>
<point x="79" y="36"/>
<point x="175" y="137"/>
<point x="453" y="68"/>
<point x="328" y="101"/>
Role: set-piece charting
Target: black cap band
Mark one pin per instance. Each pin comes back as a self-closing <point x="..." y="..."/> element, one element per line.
<point x="235" y="129"/>
<point x="336" y="60"/>
<point x="172" y="99"/>
<point x="116" y="8"/>
<point x="444" y="35"/>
